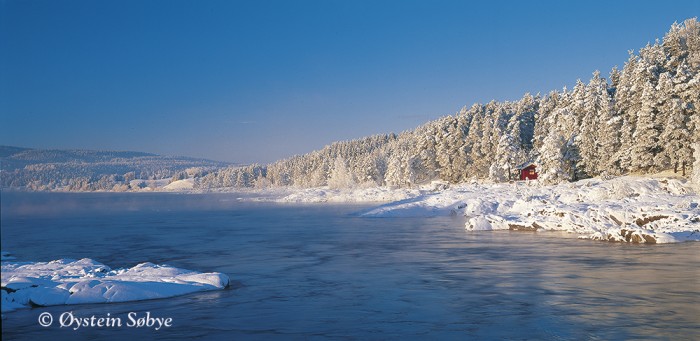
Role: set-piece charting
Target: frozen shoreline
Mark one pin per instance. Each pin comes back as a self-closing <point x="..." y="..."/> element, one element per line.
<point x="625" y="209"/>
<point x="661" y="208"/>
<point x="635" y="209"/>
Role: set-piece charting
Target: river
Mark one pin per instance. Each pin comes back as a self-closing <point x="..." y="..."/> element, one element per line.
<point x="321" y="271"/>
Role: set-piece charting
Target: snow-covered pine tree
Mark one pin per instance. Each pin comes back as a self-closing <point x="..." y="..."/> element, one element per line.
<point x="694" y="91"/>
<point x="551" y="158"/>
<point x="443" y="152"/>
<point x="608" y="134"/>
<point x="627" y="104"/>
<point x="516" y="138"/>
<point x="396" y="166"/>
<point x="525" y="112"/>
<point x="615" y="75"/>
<point x="426" y="152"/>
<point x="502" y="167"/>
<point x="542" y="120"/>
<point x="690" y="32"/>
<point x="675" y="46"/>
<point x="474" y="140"/>
<point x="595" y="107"/>
<point x="495" y="117"/>
<point x="675" y="135"/>
<point x="340" y="176"/>
<point x="645" y="144"/>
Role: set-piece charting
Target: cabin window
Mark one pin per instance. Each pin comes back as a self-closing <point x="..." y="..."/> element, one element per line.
<point x="532" y="172"/>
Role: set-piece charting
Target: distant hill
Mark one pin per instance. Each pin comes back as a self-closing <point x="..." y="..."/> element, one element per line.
<point x="88" y="170"/>
<point x="6" y="151"/>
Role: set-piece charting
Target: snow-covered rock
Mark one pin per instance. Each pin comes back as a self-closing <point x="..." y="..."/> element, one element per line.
<point x="68" y="281"/>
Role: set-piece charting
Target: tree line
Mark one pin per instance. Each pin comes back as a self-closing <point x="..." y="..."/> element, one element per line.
<point x="643" y="118"/>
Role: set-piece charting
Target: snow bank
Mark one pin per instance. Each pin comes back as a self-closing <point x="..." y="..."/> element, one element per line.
<point x="180" y="185"/>
<point x="68" y="281"/>
<point x="626" y="209"/>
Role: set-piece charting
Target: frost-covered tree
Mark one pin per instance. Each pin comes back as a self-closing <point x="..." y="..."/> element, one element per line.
<point x="502" y="167"/>
<point x="674" y="138"/>
<point x="396" y="168"/>
<point x="551" y="161"/>
<point x="627" y="104"/>
<point x="645" y="143"/>
<point x="340" y="176"/>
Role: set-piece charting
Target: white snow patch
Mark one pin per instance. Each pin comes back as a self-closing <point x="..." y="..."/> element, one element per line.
<point x="68" y="281"/>
<point x="180" y="185"/>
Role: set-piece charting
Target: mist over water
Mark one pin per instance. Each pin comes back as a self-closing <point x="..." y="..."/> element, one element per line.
<point x="38" y="204"/>
<point x="320" y="271"/>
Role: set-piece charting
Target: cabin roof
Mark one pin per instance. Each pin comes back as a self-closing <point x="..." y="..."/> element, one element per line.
<point x="526" y="164"/>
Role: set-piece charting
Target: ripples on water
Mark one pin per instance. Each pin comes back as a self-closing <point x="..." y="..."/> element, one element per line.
<point x="318" y="272"/>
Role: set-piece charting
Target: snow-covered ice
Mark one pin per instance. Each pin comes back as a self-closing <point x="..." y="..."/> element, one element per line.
<point x="627" y="209"/>
<point x="68" y="281"/>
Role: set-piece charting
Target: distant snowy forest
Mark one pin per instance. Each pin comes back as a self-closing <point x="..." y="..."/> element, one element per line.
<point x="87" y="170"/>
<point x="641" y="119"/>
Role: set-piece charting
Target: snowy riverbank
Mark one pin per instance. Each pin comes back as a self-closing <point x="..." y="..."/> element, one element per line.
<point x="67" y="281"/>
<point x="625" y="209"/>
<point x="661" y="208"/>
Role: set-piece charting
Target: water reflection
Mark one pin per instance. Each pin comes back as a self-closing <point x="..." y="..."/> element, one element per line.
<point x="317" y="271"/>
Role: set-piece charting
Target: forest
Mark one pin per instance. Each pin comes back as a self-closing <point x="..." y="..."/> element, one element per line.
<point x="642" y="119"/>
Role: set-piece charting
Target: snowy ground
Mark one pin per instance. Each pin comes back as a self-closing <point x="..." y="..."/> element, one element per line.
<point x="626" y="209"/>
<point x="180" y="185"/>
<point x="67" y="281"/>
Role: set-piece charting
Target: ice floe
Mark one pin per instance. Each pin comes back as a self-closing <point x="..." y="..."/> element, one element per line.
<point x="68" y="281"/>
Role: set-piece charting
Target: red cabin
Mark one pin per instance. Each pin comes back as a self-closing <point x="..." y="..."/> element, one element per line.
<point x="528" y="172"/>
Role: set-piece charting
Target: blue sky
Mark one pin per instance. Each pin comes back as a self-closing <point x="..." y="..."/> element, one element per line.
<point x="255" y="81"/>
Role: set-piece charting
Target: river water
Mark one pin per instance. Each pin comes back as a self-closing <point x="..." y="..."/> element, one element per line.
<point x="323" y="272"/>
